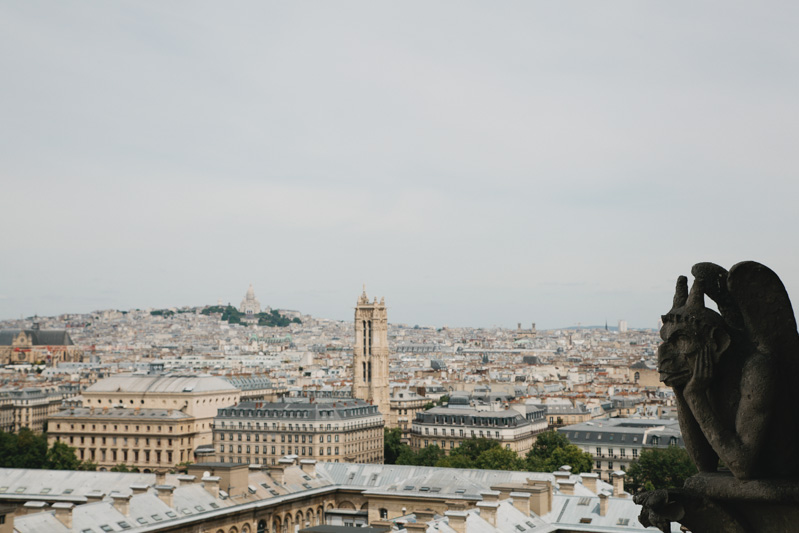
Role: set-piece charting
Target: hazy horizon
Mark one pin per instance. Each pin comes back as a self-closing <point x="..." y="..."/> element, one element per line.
<point x="475" y="164"/>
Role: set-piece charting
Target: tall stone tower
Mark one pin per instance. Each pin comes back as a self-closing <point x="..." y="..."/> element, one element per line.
<point x="370" y="356"/>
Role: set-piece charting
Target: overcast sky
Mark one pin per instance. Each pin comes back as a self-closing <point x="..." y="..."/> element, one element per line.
<point x="476" y="163"/>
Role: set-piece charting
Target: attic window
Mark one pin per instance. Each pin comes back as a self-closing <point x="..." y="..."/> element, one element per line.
<point x="141" y="520"/>
<point x="408" y="487"/>
<point x="530" y="524"/>
<point x="171" y="514"/>
<point x="20" y="490"/>
<point x="585" y="520"/>
<point x="199" y="508"/>
<point x="3" y="489"/>
<point x="425" y="489"/>
<point x="123" y="525"/>
<point x="45" y="490"/>
<point x="584" y="501"/>
<point x="106" y="528"/>
<point x="187" y="511"/>
<point x="156" y="517"/>
<point x="623" y="522"/>
<point x="213" y="506"/>
<point x="520" y="527"/>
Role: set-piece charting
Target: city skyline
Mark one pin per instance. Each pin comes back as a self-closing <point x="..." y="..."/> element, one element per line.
<point x="476" y="165"/>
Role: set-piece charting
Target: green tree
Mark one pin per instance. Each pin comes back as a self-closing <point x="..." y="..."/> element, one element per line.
<point x="659" y="468"/>
<point x="499" y="458"/>
<point x="122" y="467"/>
<point x="62" y="457"/>
<point x="392" y="445"/>
<point x="427" y="456"/>
<point x="552" y="450"/>
<point x="472" y="448"/>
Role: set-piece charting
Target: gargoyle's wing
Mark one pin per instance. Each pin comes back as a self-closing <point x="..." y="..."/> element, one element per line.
<point x="765" y="309"/>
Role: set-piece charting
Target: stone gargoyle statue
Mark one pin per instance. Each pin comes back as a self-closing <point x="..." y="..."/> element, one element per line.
<point x="733" y="373"/>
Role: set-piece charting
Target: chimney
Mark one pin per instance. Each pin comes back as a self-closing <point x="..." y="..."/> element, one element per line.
<point x="618" y="484"/>
<point x="539" y="499"/>
<point x="186" y="480"/>
<point x="488" y="512"/>
<point x="457" y="520"/>
<point x="160" y="477"/>
<point x="165" y="493"/>
<point x="309" y="466"/>
<point x="121" y="502"/>
<point x="416" y="527"/>
<point x="276" y="473"/>
<point x="32" y="507"/>
<point x="603" y="503"/>
<point x="589" y="481"/>
<point x="521" y="501"/>
<point x="63" y="513"/>
<point x="424" y="516"/>
<point x="211" y="484"/>
<point x="566" y="487"/>
<point x="139" y="488"/>
<point x="95" y="496"/>
<point x="490" y="495"/>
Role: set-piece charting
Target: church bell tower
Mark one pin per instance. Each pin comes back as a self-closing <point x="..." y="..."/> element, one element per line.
<point x="370" y="356"/>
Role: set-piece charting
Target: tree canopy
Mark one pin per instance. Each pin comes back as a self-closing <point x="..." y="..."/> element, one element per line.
<point x="27" y="449"/>
<point x="552" y="450"/>
<point x="660" y="468"/>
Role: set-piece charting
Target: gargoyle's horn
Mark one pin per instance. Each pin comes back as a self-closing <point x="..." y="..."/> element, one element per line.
<point x="696" y="298"/>
<point x="680" y="293"/>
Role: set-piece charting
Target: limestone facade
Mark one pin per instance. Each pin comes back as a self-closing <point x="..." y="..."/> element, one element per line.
<point x="370" y="354"/>
<point x="333" y="431"/>
<point x="32" y="346"/>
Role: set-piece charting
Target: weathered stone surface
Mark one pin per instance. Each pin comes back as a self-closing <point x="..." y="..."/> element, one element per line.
<point x="732" y="373"/>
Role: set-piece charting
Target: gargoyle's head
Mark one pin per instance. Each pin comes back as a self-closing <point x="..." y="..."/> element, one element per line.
<point x="689" y="328"/>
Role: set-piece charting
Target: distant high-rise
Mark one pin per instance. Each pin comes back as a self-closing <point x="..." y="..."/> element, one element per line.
<point x="370" y="355"/>
<point x="622" y="326"/>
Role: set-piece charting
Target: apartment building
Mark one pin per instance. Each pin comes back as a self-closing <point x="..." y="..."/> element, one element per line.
<point x="348" y="430"/>
<point x="147" y="439"/>
<point x="616" y="442"/>
<point x="514" y="426"/>
<point x="405" y="403"/>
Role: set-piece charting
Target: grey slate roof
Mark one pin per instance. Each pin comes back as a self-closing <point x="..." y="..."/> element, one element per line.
<point x="118" y="413"/>
<point x="39" y="337"/>
<point x="300" y="411"/>
<point x="168" y="383"/>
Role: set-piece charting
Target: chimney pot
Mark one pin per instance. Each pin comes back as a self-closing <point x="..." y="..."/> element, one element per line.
<point x="521" y="501"/>
<point x="211" y="484"/>
<point x="121" y="502"/>
<point x="603" y="503"/>
<point x="488" y="512"/>
<point x="457" y="520"/>
<point x="63" y="513"/>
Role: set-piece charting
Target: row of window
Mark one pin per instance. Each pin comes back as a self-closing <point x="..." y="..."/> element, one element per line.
<point x="622" y="452"/>
<point x="282" y="437"/>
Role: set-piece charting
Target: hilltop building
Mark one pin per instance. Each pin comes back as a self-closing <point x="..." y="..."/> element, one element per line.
<point x="370" y="354"/>
<point x="250" y="306"/>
